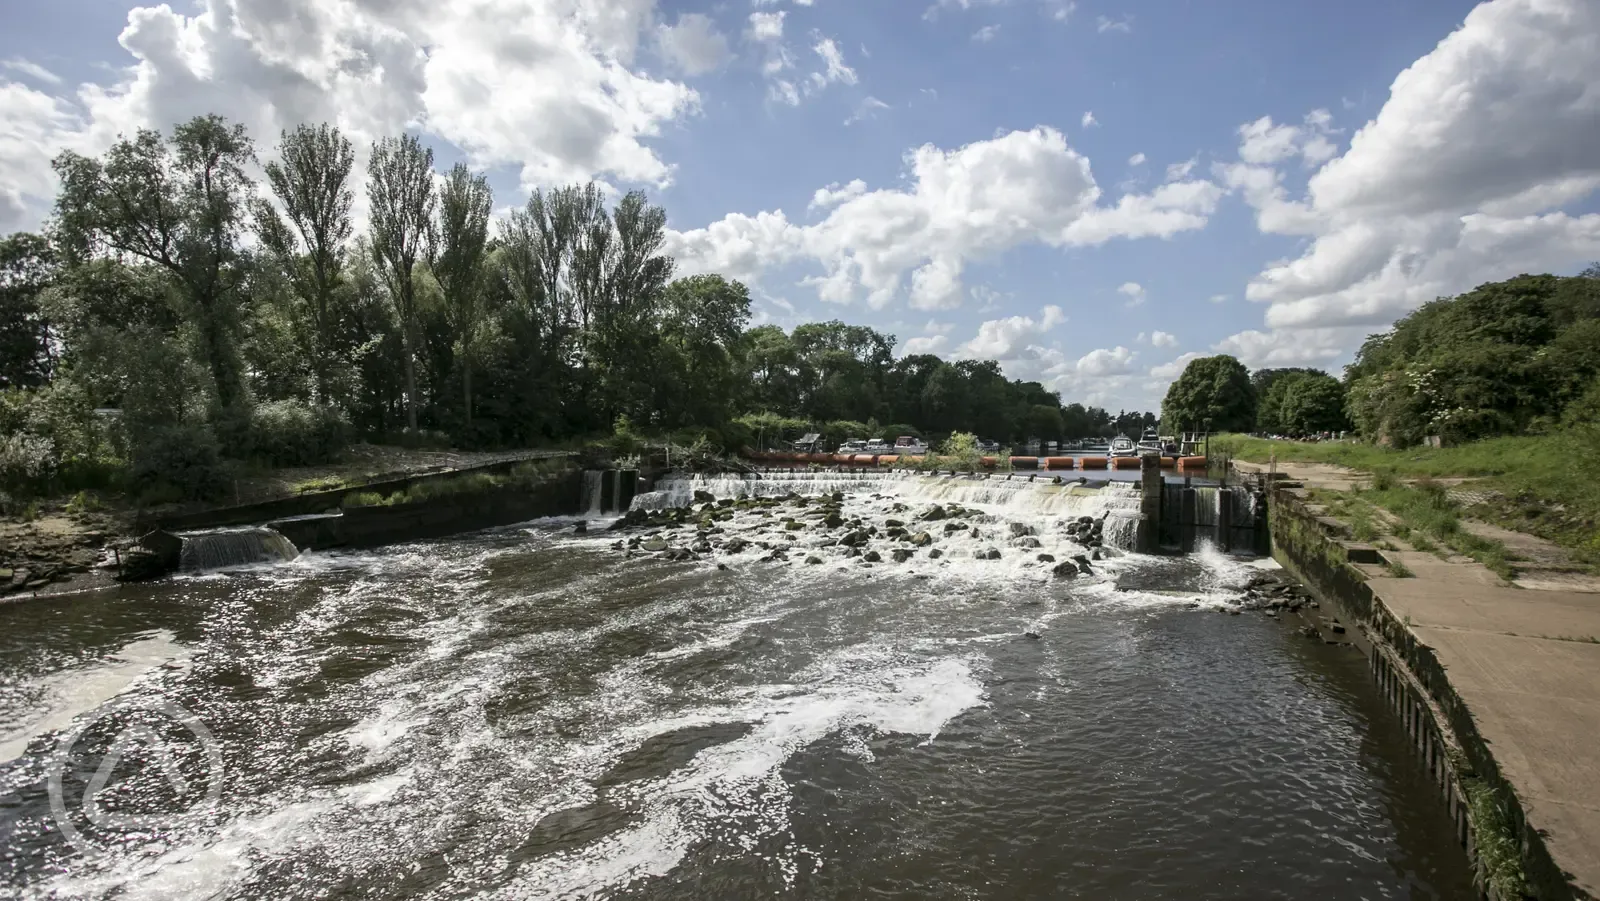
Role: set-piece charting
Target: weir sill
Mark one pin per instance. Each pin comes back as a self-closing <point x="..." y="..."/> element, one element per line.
<point x="1409" y="674"/>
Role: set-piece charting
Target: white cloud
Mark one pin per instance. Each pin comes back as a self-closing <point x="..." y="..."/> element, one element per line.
<point x="1133" y="291"/>
<point x="1104" y="24"/>
<point x="986" y="33"/>
<point x="1289" y="347"/>
<point x="31" y="69"/>
<point x="1180" y="171"/>
<point x="835" y="194"/>
<point x="1105" y="362"/>
<point x="1088" y="120"/>
<point x="866" y="109"/>
<point x="1013" y="337"/>
<point x="544" y="86"/>
<point x="766" y="28"/>
<point x="1173" y="369"/>
<point x="31" y="128"/>
<point x="925" y="344"/>
<point x="1461" y="178"/>
<point x="1163" y="339"/>
<point x="836" y="69"/>
<point x="1136" y="160"/>
<point x="1261" y="143"/>
<point x="961" y="205"/>
<point x="693" y="45"/>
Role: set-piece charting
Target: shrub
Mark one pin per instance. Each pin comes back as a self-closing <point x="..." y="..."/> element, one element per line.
<point x="962" y="449"/>
<point x="27" y="463"/>
<point x="362" y="499"/>
<point x="185" y="457"/>
<point x="294" y="433"/>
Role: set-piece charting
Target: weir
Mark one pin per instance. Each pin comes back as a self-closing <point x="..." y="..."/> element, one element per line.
<point x="221" y="548"/>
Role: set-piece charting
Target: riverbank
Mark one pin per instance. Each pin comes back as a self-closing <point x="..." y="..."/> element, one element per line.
<point x="1499" y="683"/>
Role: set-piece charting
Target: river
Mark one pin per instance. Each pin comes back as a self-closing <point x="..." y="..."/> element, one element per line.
<point x="533" y="713"/>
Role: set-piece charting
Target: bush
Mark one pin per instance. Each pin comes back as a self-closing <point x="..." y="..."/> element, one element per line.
<point x="294" y="433"/>
<point x="362" y="499"/>
<point x="185" y="457"/>
<point x="27" y="463"/>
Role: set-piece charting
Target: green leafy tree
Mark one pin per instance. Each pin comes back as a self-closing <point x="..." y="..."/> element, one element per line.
<point x="400" y="192"/>
<point x="1308" y="403"/>
<point x="311" y="180"/>
<point x="179" y="204"/>
<point x="27" y="268"/>
<point x="1213" y="393"/>
<point x="464" y="204"/>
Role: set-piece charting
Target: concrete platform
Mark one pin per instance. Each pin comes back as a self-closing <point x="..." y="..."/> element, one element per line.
<point x="1527" y="665"/>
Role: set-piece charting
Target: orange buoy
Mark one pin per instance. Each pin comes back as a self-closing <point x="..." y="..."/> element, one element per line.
<point x="1024" y="462"/>
<point x="912" y="459"/>
<point x="1169" y="462"/>
<point x="1060" y="463"/>
<point x="1125" y="462"/>
<point x="989" y="462"/>
<point x="868" y="459"/>
<point x="1191" y="462"/>
<point x="1092" y="462"/>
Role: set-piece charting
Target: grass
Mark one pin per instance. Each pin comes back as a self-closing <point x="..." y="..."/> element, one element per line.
<point x="520" y="476"/>
<point x="1546" y="483"/>
<point x="1400" y="570"/>
<point x="331" y="483"/>
<point x="1426" y="509"/>
<point x="1496" y="840"/>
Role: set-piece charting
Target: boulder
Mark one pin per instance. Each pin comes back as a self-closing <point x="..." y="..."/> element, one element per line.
<point x="901" y="554"/>
<point x="921" y="539"/>
<point x="1066" y="569"/>
<point x="833" y="520"/>
<point x="1047" y="558"/>
<point x="987" y="553"/>
<point x="893" y="524"/>
<point x="951" y="528"/>
<point x="1018" y="529"/>
<point x="701" y="547"/>
<point x="735" y="545"/>
<point x="1026" y="542"/>
<point x="933" y="513"/>
<point x="872" y="557"/>
<point x="794" y="526"/>
<point x="857" y="538"/>
<point x="653" y="544"/>
<point x="813" y="560"/>
<point x="581" y="528"/>
<point x="935" y="554"/>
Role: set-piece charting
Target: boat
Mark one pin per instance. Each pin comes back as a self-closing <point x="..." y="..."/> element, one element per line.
<point x="1123" y="446"/>
<point x="907" y="445"/>
<point x="1150" y="443"/>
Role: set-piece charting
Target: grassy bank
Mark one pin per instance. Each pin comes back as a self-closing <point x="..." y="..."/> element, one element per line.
<point x="1546" y="485"/>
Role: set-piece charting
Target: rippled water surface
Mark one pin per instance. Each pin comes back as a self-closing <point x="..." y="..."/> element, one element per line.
<point x="531" y="713"/>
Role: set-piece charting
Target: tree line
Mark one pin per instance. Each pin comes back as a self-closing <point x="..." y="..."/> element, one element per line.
<point x="176" y="318"/>
<point x="1520" y="356"/>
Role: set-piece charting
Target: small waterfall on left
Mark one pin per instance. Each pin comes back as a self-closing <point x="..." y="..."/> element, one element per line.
<point x="220" y="548"/>
<point x="593" y="485"/>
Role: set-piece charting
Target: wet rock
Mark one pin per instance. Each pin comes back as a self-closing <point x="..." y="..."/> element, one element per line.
<point x="1066" y="569"/>
<point x="580" y="528"/>
<point x="813" y="560"/>
<point x="678" y="554"/>
<point x="701" y="547"/>
<point x="1026" y="542"/>
<point x="895" y="533"/>
<point x="855" y="539"/>
<point x="901" y="554"/>
<point x="935" y="554"/>
<point x="872" y="557"/>
<point x="853" y="552"/>
<point x="893" y="524"/>
<point x="833" y="520"/>
<point x="1309" y="631"/>
<point x="653" y="544"/>
<point x="950" y="528"/>
<point x="1336" y="628"/>
<point x="735" y="545"/>
<point x="1031" y="634"/>
<point x="725" y="502"/>
<point x="933" y="513"/>
<point x="1019" y="529"/>
<point x="988" y="553"/>
<point x="1046" y="558"/>
<point x="776" y="556"/>
<point x="722" y="566"/>
<point x="794" y="526"/>
<point x="1086" y="520"/>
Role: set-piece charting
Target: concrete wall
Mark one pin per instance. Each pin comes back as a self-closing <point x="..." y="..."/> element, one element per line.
<point x="364" y="527"/>
<point x="1318" y="551"/>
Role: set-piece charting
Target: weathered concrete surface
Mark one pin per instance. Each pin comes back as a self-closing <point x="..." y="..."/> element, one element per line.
<point x="1524" y="664"/>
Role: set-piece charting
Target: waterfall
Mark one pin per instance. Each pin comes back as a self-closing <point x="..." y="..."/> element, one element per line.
<point x="220" y="548"/>
<point x="593" y="479"/>
<point x="1117" y="503"/>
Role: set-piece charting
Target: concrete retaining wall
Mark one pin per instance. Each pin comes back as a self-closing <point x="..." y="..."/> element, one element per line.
<point x="1318" y="551"/>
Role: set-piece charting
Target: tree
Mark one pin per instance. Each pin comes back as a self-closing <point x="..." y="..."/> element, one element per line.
<point x="27" y="268"/>
<point x="1213" y="394"/>
<point x="179" y="204"/>
<point x="464" y="204"/>
<point x="400" y="192"/>
<point x="311" y="179"/>
<point x="1308" y="403"/>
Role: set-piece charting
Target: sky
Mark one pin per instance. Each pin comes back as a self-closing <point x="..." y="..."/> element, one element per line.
<point x="1092" y="192"/>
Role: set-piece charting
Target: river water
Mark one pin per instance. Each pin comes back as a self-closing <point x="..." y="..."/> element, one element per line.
<point x="532" y="713"/>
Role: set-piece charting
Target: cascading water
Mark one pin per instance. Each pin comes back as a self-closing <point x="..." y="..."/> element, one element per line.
<point x="1037" y="503"/>
<point x="221" y="548"/>
<point x="592" y="482"/>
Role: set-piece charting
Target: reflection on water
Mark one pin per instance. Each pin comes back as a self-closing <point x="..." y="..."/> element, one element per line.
<point x="531" y="714"/>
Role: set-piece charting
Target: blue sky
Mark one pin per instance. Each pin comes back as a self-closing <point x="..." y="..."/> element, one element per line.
<point x="1220" y="198"/>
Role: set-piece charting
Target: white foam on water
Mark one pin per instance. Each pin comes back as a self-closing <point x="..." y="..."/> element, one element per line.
<point x="740" y="781"/>
<point x="70" y="694"/>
